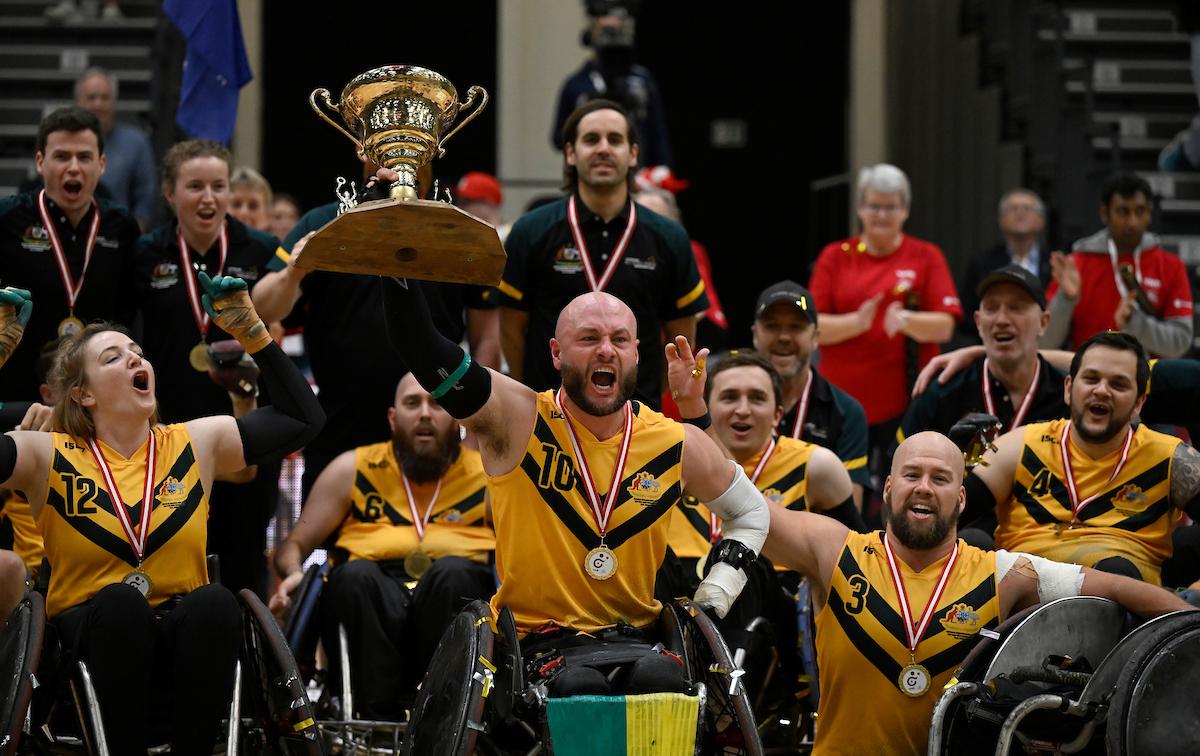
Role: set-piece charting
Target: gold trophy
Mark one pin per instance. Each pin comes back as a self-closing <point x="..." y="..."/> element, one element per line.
<point x="401" y="117"/>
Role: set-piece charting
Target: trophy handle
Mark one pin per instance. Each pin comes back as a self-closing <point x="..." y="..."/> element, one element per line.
<point x="321" y="97"/>
<point x="471" y="93"/>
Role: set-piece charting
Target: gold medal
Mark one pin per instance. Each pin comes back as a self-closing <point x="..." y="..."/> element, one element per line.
<point x="600" y="563"/>
<point x="417" y="563"/>
<point x="69" y="326"/>
<point x="198" y="357"/>
<point x="139" y="580"/>
<point x="913" y="680"/>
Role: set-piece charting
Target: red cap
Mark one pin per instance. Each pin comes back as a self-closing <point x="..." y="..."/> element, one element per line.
<point x="662" y="177"/>
<point x="477" y="186"/>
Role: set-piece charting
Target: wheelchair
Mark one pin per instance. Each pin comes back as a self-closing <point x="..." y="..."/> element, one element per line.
<point x="1072" y="676"/>
<point x="269" y="711"/>
<point x="483" y="695"/>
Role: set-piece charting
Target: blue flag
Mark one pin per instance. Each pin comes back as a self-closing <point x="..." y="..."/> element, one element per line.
<point x="215" y="68"/>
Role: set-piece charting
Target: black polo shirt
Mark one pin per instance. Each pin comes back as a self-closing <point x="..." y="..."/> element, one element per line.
<point x="27" y="261"/>
<point x="657" y="278"/>
<point x="169" y="329"/>
<point x="942" y="405"/>
<point x="1173" y="396"/>
<point x="836" y="421"/>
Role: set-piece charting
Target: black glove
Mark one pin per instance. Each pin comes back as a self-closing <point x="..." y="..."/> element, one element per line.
<point x="232" y="369"/>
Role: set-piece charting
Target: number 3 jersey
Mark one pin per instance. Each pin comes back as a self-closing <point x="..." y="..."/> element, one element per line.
<point x="545" y="525"/>
<point x="85" y="543"/>
<point x="380" y="523"/>
<point x="862" y="645"/>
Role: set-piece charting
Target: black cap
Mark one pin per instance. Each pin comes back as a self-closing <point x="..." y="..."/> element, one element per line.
<point x="1014" y="274"/>
<point x="790" y="292"/>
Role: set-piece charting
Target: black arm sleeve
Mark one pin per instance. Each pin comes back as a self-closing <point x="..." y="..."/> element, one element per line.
<point x="980" y="500"/>
<point x="8" y="456"/>
<point x="11" y="415"/>
<point x="430" y="355"/>
<point x="847" y="514"/>
<point x="295" y="418"/>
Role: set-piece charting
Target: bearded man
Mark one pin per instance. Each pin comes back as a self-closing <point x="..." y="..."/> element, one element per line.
<point x="409" y="509"/>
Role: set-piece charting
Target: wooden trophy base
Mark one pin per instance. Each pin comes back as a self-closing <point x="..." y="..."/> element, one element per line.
<point x="422" y="239"/>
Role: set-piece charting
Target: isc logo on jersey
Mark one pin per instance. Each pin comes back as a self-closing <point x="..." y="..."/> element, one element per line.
<point x="645" y="489"/>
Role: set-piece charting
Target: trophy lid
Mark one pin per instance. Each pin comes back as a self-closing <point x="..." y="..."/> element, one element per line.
<point x="397" y="81"/>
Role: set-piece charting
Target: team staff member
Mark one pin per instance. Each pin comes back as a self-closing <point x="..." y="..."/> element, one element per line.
<point x="127" y="589"/>
<point x="72" y="249"/>
<point x="1092" y="489"/>
<point x="412" y="507"/>
<point x="597" y="239"/>
<point x="204" y="238"/>
<point x="339" y="314"/>
<point x="876" y="596"/>
<point x="864" y="288"/>
<point x="814" y="410"/>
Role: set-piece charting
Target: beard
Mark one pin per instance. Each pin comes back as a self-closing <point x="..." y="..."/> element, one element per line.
<point x="573" y="383"/>
<point x="429" y="464"/>
<point x="1114" y="426"/>
<point x="917" y="537"/>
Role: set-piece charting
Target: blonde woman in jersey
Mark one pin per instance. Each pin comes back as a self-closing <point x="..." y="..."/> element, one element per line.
<point x="128" y="588"/>
<point x="414" y="506"/>
<point x="897" y="610"/>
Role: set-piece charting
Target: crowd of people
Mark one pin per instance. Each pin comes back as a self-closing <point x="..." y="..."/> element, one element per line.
<point x="564" y="444"/>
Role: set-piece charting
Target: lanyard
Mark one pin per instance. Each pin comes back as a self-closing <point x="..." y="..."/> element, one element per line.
<point x="1072" y="490"/>
<point x="420" y="523"/>
<point x="60" y="256"/>
<point x="802" y="407"/>
<point x="602" y="510"/>
<point x="138" y="543"/>
<point x="1137" y="267"/>
<point x="618" y="252"/>
<point x="912" y="632"/>
<point x="1019" y="414"/>
<point x="189" y="277"/>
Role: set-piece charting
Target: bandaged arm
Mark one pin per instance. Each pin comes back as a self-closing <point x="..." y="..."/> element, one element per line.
<point x="1057" y="580"/>
<point x="746" y="519"/>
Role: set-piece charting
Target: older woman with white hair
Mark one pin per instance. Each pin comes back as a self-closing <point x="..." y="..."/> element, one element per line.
<point x="885" y="300"/>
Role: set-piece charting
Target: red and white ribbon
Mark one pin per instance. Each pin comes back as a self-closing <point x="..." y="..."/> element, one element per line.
<point x="1019" y="415"/>
<point x="802" y="408"/>
<point x="138" y="542"/>
<point x="914" y="632"/>
<point x="419" y="522"/>
<point x="1072" y="490"/>
<point x="617" y="253"/>
<point x="60" y="256"/>
<point x="189" y="277"/>
<point x="601" y="509"/>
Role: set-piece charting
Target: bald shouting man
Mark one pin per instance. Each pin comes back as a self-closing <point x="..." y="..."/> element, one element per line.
<point x="898" y="609"/>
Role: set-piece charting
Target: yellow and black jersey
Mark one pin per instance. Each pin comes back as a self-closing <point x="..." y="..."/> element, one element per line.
<point x="380" y="523"/>
<point x="1131" y="516"/>
<point x="18" y="531"/>
<point x="783" y="481"/>
<point x="545" y="525"/>
<point x="84" y="541"/>
<point x="862" y="645"/>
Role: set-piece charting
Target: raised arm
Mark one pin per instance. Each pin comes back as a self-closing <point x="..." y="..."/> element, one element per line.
<point x="829" y="490"/>
<point x="807" y="543"/>
<point x="277" y="293"/>
<point x="24" y="455"/>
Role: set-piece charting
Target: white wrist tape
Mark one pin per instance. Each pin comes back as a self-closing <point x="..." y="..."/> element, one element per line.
<point x="720" y="588"/>
<point x="743" y="511"/>
<point x="1055" y="579"/>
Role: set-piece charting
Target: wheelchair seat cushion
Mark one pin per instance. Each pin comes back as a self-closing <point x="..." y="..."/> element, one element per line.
<point x="658" y="724"/>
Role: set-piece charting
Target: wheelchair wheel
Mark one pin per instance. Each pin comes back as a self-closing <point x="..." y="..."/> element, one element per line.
<point x="728" y="726"/>
<point x="448" y="713"/>
<point x="279" y="703"/>
<point x="300" y="627"/>
<point x="20" y="649"/>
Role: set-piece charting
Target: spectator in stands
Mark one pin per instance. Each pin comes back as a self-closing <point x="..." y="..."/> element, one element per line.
<point x="596" y="239"/>
<point x="480" y="195"/>
<point x="250" y="198"/>
<point x="612" y="74"/>
<point x="129" y="175"/>
<point x="285" y="212"/>
<point x="1119" y="278"/>
<point x="1022" y="219"/>
<point x="814" y="410"/>
<point x="886" y="300"/>
<point x="76" y="11"/>
<point x="72" y="250"/>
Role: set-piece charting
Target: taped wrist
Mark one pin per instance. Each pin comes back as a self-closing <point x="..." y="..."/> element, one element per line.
<point x="235" y="314"/>
<point x="442" y="368"/>
<point x="743" y="511"/>
<point x="847" y="514"/>
<point x="980" y="500"/>
<point x="1055" y="580"/>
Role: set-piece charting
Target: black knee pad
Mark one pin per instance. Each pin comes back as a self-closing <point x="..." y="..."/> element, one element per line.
<point x="1119" y="566"/>
<point x="580" y="681"/>
<point x="655" y="673"/>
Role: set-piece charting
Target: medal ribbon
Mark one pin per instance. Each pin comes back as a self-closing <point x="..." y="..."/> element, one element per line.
<point x="618" y="251"/>
<point x="60" y="255"/>
<point x="138" y="543"/>
<point x="1072" y="490"/>
<point x="189" y="278"/>
<point x="714" y="522"/>
<point x="602" y="511"/>
<point x="419" y="522"/>
<point x="914" y="633"/>
<point x="802" y="408"/>
<point x="1137" y="267"/>
<point x="1019" y="415"/>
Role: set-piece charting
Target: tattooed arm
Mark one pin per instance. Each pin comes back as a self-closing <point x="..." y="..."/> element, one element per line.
<point x="1185" y="479"/>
